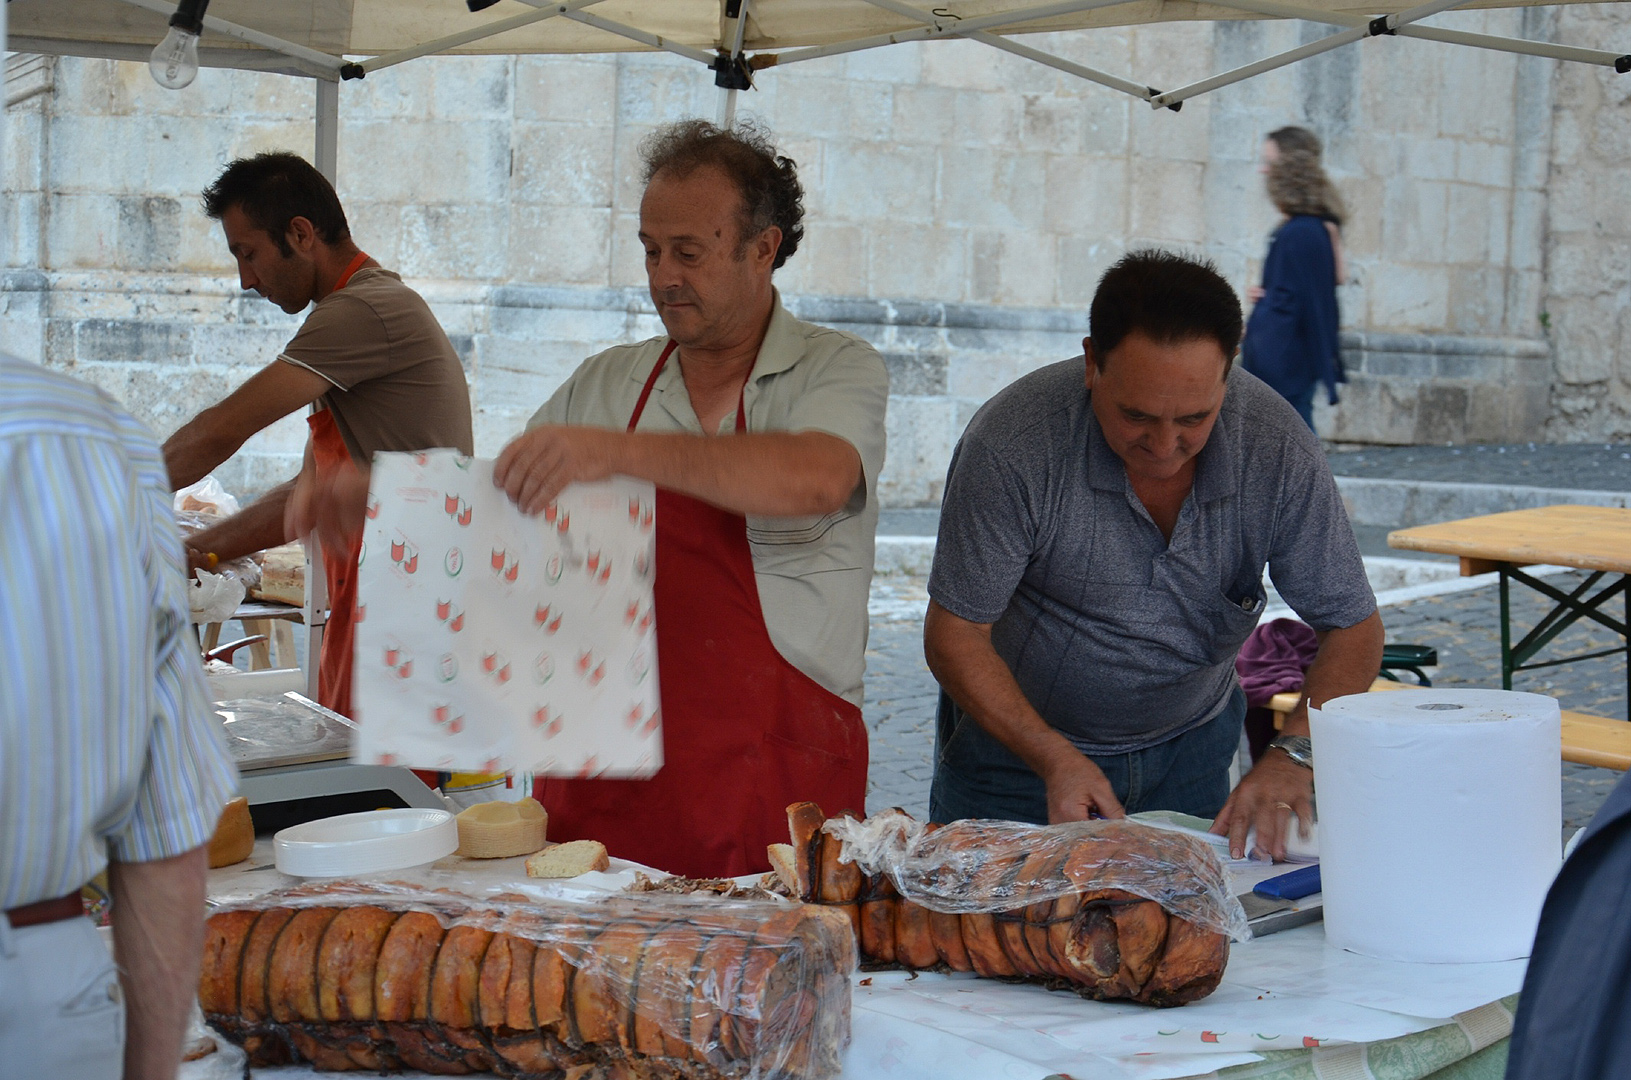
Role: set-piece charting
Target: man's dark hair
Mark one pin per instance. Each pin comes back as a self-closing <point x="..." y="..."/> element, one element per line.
<point x="1168" y="297"/>
<point x="274" y="188"/>
<point x="767" y="181"/>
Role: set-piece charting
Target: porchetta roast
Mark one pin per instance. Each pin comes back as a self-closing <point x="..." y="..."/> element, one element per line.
<point x="1110" y="909"/>
<point x="355" y="976"/>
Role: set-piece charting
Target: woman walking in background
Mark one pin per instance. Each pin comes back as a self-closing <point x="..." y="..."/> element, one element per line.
<point x="1291" y="337"/>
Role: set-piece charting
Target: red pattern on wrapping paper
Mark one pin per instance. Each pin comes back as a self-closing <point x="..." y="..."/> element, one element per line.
<point x="780" y="736"/>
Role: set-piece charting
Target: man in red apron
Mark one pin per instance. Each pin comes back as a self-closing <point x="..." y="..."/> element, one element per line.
<point x="369" y="354"/>
<point x="764" y="436"/>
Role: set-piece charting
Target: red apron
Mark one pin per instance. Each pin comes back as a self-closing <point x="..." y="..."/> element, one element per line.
<point x="340" y="567"/>
<point x="745" y="733"/>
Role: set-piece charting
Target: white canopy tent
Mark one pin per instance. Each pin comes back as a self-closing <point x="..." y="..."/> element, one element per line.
<point x="336" y="40"/>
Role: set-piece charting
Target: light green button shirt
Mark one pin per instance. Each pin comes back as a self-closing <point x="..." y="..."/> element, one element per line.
<point x="814" y="573"/>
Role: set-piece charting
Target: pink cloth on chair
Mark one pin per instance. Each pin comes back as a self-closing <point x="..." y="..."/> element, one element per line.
<point x="1274" y="659"/>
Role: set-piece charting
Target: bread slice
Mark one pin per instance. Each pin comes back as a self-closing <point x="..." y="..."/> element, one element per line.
<point x="499" y="830"/>
<point x="784" y="861"/>
<point x="568" y="860"/>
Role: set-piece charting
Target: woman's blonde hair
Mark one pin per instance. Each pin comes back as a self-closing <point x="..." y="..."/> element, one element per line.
<point x="1297" y="182"/>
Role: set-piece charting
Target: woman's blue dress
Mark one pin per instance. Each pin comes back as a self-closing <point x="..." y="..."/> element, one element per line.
<point x="1291" y="336"/>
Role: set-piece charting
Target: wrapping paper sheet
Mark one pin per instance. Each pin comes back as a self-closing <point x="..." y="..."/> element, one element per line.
<point x="489" y="641"/>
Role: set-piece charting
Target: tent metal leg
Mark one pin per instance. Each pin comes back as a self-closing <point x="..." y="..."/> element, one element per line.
<point x="727" y="108"/>
<point x="327" y="152"/>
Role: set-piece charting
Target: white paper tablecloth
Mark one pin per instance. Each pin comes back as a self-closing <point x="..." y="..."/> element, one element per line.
<point x="1286" y="991"/>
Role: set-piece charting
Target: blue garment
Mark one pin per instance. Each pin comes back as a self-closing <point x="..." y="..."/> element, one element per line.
<point x="975" y="776"/>
<point x="1291" y="337"/>
<point x="1575" y="1012"/>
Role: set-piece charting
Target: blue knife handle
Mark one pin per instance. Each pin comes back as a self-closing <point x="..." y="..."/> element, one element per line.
<point x="1293" y="886"/>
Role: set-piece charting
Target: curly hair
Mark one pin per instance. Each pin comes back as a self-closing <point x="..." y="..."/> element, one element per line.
<point x="1297" y="182"/>
<point x="767" y="181"/>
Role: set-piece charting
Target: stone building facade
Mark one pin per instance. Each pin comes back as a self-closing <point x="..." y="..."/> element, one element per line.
<point x="962" y="203"/>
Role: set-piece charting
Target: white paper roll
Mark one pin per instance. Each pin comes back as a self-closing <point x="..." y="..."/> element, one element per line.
<point x="1440" y="817"/>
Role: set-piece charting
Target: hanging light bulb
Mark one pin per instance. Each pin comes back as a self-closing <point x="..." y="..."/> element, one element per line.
<point x="174" y="62"/>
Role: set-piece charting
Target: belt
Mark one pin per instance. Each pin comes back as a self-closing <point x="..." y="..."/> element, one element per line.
<point x="46" y="911"/>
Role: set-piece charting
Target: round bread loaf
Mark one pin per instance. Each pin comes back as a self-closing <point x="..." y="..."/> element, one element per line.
<point x="234" y="835"/>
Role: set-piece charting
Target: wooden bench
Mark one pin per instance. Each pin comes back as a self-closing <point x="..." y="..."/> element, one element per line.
<point x="1587" y="739"/>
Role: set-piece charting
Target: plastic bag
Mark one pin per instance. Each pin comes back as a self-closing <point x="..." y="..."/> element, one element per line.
<point x="1108" y="909"/>
<point x="213" y="595"/>
<point x="981" y="866"/>
<point x="390" y="975"/>
<point x="206" y="497"/>
<point x="213" y="598"/>
<point x="214" y="1058"/>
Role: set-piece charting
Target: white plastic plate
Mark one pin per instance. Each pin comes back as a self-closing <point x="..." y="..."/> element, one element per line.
<point x="365" y="843"/>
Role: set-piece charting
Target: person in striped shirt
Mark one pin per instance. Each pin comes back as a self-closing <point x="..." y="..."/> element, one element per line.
<point x="108" y="755"/>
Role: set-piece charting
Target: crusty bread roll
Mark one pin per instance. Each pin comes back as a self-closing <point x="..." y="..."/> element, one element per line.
<point x="1105" y="942"/>
<point x="234" y="835"/>
<point x="569" y="859"/>
<point x="500" y="830"/>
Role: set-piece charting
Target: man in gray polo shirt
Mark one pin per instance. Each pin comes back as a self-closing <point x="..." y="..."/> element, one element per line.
<point x="1102" y="542"/>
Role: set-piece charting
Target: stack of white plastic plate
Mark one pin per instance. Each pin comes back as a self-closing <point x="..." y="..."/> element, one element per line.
<point x="366" y="843"/>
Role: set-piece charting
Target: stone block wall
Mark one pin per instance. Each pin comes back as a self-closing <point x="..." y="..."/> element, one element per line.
<point x="1588" y="239"/>
<point x="961" y="203"/>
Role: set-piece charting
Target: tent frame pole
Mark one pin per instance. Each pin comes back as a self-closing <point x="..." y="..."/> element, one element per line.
<point x="939" y="26"/>
<point x="1430" y="33"/>
<point x="738" y="31"/>
<point x="1383" y="25"/>
<point x="656" y="41"/>
<point x="984" y="37"/>
<point x="253" y="37"/>
<point x="464" y="37"/>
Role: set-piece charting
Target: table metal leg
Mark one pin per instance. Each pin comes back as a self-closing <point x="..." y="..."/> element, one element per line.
<point x="1506" y="629"/>
<point x="1570" y="608"/>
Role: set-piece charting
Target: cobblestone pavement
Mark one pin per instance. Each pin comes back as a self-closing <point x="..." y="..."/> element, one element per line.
<point x="1464" y="627"/>
<point x="1583" y="466"/>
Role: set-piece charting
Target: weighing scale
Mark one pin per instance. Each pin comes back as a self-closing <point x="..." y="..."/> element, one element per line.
<point x="293" y="759"/>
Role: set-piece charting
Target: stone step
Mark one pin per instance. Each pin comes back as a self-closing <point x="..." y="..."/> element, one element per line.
<point x="1399" y="504"/>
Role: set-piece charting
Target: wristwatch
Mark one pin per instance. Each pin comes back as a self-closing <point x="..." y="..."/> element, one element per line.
<point x="1298" y="748"/>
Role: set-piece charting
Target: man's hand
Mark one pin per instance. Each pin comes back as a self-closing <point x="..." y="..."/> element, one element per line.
<point x="537" y="464"/>
<point x="1266" y="797"/>
<point x="1078" y="790"/>
<point x="331" y="504"/>
<point x="1254" y="293"/>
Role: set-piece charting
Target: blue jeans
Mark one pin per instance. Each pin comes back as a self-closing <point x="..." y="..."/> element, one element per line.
<point x="975" y="776"/>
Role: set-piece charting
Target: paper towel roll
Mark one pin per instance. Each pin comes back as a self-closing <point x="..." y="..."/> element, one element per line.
<point x="1440" y="818"/>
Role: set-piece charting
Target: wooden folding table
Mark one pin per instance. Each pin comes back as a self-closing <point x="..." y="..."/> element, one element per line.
<point x="1594" y="538"/>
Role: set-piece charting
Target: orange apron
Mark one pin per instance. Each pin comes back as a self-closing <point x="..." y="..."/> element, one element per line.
<point x="745" y="733"/>
<point x="340" y="567"/>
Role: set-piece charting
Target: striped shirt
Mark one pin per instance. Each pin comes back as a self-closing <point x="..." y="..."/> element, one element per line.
<point x="107" y="746"/>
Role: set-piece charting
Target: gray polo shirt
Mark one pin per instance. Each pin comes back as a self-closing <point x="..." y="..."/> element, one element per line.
<point x="1118" y="638"/>
<point x="814" y="572"/>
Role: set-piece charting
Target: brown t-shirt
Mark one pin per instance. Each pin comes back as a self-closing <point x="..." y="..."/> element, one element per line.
<point x="397" y="382"/>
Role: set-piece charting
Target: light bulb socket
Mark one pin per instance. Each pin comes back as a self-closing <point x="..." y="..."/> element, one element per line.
<point x="189" y="16"/>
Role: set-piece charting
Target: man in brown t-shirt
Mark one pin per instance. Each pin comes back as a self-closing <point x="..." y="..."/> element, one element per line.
<point x="370" y="355"/>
